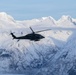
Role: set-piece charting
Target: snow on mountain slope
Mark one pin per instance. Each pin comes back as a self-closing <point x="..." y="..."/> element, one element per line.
<point x="53" y="55"/>
<point x="66" y="21"/>
<point x="44" y="21"/>
<point x="65" y="61"/>
<point x="6" y="21"/>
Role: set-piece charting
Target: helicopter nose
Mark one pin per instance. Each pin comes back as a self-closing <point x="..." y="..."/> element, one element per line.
<point x="42" y="37"/>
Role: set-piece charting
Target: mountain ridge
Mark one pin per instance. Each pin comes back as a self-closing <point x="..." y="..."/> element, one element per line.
<point x="49" y="21"/>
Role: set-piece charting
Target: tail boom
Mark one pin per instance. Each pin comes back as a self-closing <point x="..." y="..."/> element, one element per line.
<point x="14" y="37"/>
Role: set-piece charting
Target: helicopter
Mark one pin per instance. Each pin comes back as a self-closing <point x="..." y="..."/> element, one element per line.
<point x="32" y="36"/>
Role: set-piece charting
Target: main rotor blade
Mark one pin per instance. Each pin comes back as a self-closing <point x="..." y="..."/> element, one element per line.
<point x="32" y="30"/>
<point x="42" y="30"/>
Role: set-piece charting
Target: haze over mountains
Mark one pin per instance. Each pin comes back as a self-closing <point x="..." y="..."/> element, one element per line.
<point x="53" y="55"/>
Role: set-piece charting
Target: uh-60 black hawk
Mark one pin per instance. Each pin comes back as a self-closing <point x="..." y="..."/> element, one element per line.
<point x="32" y="36"/>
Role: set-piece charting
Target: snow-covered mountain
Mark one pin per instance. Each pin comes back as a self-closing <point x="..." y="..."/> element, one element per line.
<point x="46" y="21"/>
<point x="7" y="21"/>
<point x="66" y="21"/>
<point x="53" y="55"/>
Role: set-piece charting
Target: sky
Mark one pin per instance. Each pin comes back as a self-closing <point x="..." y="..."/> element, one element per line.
<point x="31" y="9"/>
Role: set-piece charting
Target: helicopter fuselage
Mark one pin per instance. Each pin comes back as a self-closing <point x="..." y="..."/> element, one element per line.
<point x="32" y="36"/>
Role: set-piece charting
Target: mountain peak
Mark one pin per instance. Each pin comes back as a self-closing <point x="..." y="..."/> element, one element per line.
<point x="66" y="17"/>
<point x="49" y="18"/>
<point x="2" y="13"/>
<point x="5" y="16"/>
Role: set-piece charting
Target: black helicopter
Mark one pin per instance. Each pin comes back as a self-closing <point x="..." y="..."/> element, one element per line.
<point x="32" y="36"/>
